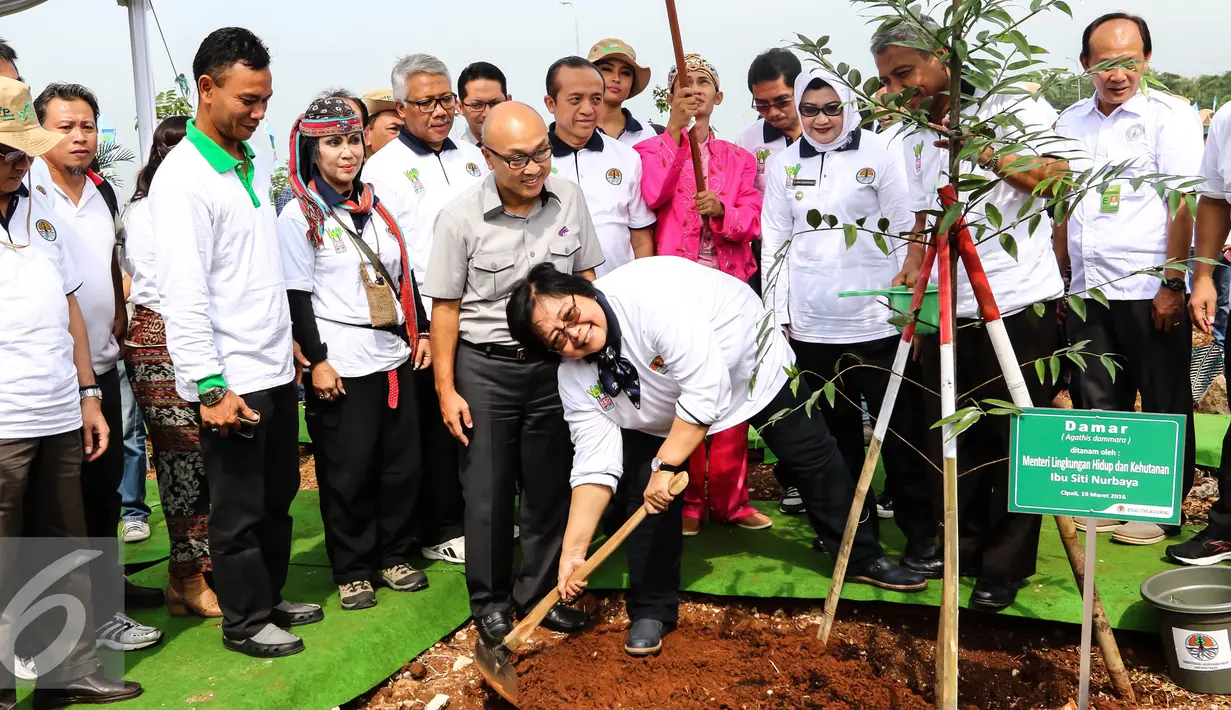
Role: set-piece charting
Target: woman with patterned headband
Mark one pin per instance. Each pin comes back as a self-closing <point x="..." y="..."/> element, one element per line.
<point x="356" y="315"/>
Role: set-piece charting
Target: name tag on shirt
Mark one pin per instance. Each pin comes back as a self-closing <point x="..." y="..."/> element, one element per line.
<point x="801" y="182"/>
<point x="1111" y="200"/>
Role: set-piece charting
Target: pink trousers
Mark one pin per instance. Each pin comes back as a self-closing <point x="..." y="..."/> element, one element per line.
<point x="724" y="479"/>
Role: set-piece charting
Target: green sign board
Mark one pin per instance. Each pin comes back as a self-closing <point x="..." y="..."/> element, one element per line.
<point x="1114" y="465"/>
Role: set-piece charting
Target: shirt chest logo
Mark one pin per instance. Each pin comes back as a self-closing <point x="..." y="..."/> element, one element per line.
<point x="792" y="172"/>
<point x="335" y="237"/>
<point x="657" y="365"/>
<point x="45" y="230"/>
<point x="1134" y="133"/>
<point x="604" y="400"/>
<point x="865" y="176"/>
<point x="413" y="176"/>
<point x="762" y="156"/>
<point x="919" y="157"/>
<point x="472" y="169"/>
<point x="614" y="176"/>
<point x="563" y="231"/>
<point x="40" y="189"/>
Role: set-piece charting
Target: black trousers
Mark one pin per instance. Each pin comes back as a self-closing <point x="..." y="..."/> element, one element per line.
<point x="519" y="433"/>
<point x="809" y="453"/>
<point x="1219" y="526"/>
<point x="1001" y="545"/>
<point x="369" y="454"/>
<point x="40" y="496"/>
<point x="655" y="547"/>
<point x="251" y="485"/>
<point x="906" y="469"/>
<point x="441" y="505"/>
<point x="100" y="486"/>
<point x="1154" y="362"/>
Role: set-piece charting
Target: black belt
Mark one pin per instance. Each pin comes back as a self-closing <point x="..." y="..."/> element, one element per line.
<point x="505" y="352"/>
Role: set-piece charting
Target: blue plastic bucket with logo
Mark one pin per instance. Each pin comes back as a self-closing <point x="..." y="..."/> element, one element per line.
<point x="1194" y="615"/>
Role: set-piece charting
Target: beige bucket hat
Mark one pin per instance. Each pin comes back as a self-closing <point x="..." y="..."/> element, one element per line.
<point x="378" y="100"/>
<point x="19" y="127"/>
<point x="619" y="49"/>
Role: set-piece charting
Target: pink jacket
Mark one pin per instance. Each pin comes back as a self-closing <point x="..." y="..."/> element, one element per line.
<point x="668" y="186"/>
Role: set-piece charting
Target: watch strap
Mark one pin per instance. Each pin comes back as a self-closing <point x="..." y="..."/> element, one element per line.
<point x="670" y="468"/>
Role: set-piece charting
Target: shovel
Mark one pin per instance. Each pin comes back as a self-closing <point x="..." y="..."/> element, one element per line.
<point x="494" y="663"/>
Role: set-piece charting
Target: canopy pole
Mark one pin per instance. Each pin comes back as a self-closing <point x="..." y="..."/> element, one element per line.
<point x="143" y="77"/>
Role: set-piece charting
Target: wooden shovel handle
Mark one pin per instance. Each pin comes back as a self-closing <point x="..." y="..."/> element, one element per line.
<point x="522" y="631"/>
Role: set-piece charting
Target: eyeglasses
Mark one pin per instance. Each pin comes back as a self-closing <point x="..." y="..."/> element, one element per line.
<point x="429" y="105"/>
<point x="780" y="103"/>
<point x="482" y="105"/>
<point x="12" y="155"/>
<point x="519" y="162"/>
<point x="829" y="109"/>
<point x="571" y="317"/>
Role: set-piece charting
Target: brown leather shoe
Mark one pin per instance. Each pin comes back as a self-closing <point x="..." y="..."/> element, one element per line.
<point x="191" y="594"/>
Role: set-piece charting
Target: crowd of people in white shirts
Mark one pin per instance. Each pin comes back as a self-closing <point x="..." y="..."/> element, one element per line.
<point x="494" y="320"/>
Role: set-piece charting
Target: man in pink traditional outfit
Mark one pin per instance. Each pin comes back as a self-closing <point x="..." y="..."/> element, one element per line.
<point x="715" y="227"/>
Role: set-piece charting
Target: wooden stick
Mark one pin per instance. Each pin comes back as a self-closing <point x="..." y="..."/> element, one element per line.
<point x="522" y="631"/>
<point x="684" y="80"/>
<point x="947" y="646"/>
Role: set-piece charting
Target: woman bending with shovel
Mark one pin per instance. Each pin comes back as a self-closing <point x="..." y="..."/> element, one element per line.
<point x="656" y="355"/>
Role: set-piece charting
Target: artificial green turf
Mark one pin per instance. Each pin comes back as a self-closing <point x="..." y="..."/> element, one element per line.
<point x="1210" y="429"/>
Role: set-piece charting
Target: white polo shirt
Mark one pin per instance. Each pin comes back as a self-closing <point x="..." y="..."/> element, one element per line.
<point x="691" y="333"/>
<point x="764" y="141"/>
<point x="92" y="246"/>
<point x="1158" y="133"/>
<point x="416" y="182"/>
<point x="218" y="270"/>
<point x="863" y="179"/>
<point x="330" y="272"/>
<point x="635" y="131"/>
<point x="38" y="383"/>
<point x="1016" y="283"/>
<point x="139" y="254"/>
<point x="1216" y="163"/>
<point x="609" y="174"/>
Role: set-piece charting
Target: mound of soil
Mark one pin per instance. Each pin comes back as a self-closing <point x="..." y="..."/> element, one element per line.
<point x="736" y="659"/>
<point x="703" y="667"/>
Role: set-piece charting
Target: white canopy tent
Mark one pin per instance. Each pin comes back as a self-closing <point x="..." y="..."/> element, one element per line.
<point x="143" y="78"/>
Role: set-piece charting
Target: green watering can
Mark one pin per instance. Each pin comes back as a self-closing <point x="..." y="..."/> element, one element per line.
<point x="899" y="303"/>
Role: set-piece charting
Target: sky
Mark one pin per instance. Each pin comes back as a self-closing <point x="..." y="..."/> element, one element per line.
<point x="318" y="44"/>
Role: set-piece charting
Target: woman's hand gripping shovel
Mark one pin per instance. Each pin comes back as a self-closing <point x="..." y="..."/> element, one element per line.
<point x="494" y="663"/>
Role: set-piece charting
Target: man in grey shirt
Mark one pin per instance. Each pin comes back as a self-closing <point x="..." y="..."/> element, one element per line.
<point x="498" y="400"/>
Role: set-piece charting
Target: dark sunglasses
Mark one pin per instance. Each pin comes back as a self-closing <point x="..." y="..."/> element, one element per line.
<point x="829" y="109"/>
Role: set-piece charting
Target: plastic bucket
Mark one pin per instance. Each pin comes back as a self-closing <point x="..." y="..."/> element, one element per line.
<point x="899" y="302"/>
<point x="1194" y="615"/>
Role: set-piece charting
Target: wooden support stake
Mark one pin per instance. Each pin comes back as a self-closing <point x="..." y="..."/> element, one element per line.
<point x="684" y="80"/>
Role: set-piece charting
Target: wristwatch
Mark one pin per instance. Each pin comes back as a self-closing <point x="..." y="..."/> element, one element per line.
<point x="1175" y="284"/>
<point x="659" y="465"/>
<point x="91" y="391"/>
<point x="213" y="396"/>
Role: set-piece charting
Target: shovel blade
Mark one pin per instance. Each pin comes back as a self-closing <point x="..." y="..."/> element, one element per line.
<point x="497" y="669"/>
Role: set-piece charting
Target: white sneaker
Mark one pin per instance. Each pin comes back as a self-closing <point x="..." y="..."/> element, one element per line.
<point x="135" y="531"/>
<point x="121" y="633"/>
<point x="451" y="551"/>
<point x="23" y="669"/>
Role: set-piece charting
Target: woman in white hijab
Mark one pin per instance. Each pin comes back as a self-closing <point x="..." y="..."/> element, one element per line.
<point x="857" y="176"/>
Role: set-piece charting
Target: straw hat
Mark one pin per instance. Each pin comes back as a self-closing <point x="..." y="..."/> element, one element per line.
<point x="619" y="49"/>
<point x="19" y="126"/>
<point x="378" y="100"/>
